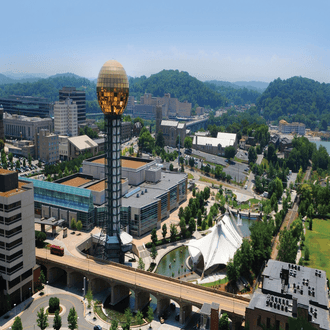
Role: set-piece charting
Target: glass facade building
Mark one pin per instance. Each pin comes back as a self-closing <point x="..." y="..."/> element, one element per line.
<point x="27" y="105"/>
<point x="79" y="97"/>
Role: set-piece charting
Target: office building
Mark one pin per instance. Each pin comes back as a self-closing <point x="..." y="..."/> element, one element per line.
<point x="291" y="128"/>
<point x="23" y="127"/>
<point x="77" y="96"/>
<point x="171" y="129"/>
<point x="17" y="237"/>
<point x="47" y="147"/>
<point x="66" y="118"/>
<point x="289" y="292"/>
<point x="215" y="146"/>
<point x="78" y="145"/>
<point x="29" y="106"/>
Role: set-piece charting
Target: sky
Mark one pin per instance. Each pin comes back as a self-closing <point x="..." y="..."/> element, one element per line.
<point x="236" y="40"/>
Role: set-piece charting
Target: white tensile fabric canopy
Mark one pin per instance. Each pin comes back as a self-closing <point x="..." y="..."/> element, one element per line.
<point x="217" y="247"/>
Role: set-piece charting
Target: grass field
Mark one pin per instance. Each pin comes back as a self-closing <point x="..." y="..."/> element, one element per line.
<point x="190" y="176"/>
<point x="318" y="242"/>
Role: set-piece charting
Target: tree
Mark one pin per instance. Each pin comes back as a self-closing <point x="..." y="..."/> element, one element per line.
<point x="287" y="249"/>
<point x="187" y="142"/>
<point x="164" y="231"/>
<point x="183" y="228"/>
<point x="17" y="324"/>
<point x="79" y="225"/>
<point x="73" y="224"/>
<point x="150" y="314"/>
<point x="160" y="141"/>
<point x="232" y="271"/>
<point x="230" y="152"/>
<point x="141" y="264"/>
<point x="187" y="214"/>
<point x="252" y="155"/>
<point x="29" y="159"/>
<point x="311" y="224"/>
<point x="18" y="164"/>
<point x="199" y="217"/>
<point x="192" y="225"/>
<point x="171" y="167"/>
<point x="223" y="322"/>
<point x="139" y="317"/>
<point x="57" y="321"/>
<point x="173" y="232"/>
<point x="181" y="212"/>
<point x="306" y="253"/>
<point x="42" y="320"/>
<point x="128" y="316"/>
<point x="40" y="238"/>
<point x="42" y="277"/>
<point x="72" y="319"/>
<point x="10" y="157"/>
<point x="154" y="237"/>
<point x="191" y="162"/>
<point x="153" y="253"/>
<point x="114" y="324"/>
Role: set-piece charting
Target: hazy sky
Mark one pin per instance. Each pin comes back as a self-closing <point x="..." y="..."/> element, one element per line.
<point x="223" y="40"/>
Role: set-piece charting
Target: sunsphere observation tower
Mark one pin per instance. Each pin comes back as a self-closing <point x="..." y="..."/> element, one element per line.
<point x="112" y="92"/>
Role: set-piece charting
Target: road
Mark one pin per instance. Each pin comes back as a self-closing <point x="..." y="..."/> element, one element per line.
<point x="174" y="289"/>
<point x="29" y="316"/>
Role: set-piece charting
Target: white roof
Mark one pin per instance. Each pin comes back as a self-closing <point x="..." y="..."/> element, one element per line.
<point x="224" y="139"/>
<point x="217" y="247"/>
<point x="82" y="142"/>
<point x="172" y="123"/>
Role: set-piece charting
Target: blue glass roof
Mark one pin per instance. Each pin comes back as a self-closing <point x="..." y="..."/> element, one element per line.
<point x="59" y="187"/>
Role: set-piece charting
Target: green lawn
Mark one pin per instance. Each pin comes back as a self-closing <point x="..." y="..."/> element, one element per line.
<point x="209" y="285"/>
<point x="318" y="242"/>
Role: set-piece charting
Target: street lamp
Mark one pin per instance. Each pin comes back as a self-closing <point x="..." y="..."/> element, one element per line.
<point x="15" y="309"/>
<point x="46" y="287"/>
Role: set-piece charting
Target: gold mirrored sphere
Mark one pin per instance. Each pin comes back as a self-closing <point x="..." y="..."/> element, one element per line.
<point x="112" y="88"/>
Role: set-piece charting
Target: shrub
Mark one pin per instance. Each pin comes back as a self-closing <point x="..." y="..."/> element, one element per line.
<point x="54" y="304"/>
<point x="73" y="224"/>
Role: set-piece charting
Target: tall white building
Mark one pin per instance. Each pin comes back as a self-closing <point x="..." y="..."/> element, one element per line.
<point x="66" y="118"/>
<point x="17" y="236"/>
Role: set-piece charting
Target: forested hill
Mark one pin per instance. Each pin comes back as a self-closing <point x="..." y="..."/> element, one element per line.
<point x="238" y="95"/>
<point x="180" y="85"/>
<point x="49" y="87"/>
<point x="296" y="99"/>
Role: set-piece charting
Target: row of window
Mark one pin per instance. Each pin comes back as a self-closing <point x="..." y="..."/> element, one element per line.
<point x="10" y="207"/>
<point x="11" y="220"/>
<point x="11" y="245"/>
<point x="10" y="233"/>
<point x="11" y="270"/>
<point x="277" y="323"/>
<point x="11" y="257"/>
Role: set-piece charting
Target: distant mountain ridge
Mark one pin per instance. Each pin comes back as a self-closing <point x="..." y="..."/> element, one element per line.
<point x="258" y="86"/>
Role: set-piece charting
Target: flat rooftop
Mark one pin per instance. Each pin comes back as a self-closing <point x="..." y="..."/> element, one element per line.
<point x="75" y="182"/>
<point x="128" y="163"/>
<point x="99" y="186"/>
<point x="5" y="172"/>
<point x="154" y="190"/>
<point x="14" y="191"/>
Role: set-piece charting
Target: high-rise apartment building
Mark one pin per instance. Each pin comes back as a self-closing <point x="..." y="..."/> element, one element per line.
<point x="17" y="237"/>
<point x="79" y="97"/>
<point x="66" y="118"/>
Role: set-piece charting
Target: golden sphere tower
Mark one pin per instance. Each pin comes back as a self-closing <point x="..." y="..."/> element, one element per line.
<point x="112" y="93"/>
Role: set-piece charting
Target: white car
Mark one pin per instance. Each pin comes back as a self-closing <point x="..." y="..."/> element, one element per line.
<point x="245" y="187"/>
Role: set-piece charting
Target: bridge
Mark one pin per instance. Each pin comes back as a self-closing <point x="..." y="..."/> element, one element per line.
<point x="196" y="125"/>
<point x="103" y="275"/>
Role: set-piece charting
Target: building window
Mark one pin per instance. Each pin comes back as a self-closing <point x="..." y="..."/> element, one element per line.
<point x="12" y="245"/>
<point x="15" y="256"/>
<point x="259" y="321"/>
<point x="13" y="206"/>
<point x="277" y="325"/>
<point x="286" y="326"/>
<point x="268" y="322"/>
<point x="14" y="269"/>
